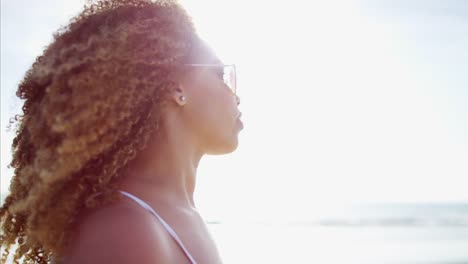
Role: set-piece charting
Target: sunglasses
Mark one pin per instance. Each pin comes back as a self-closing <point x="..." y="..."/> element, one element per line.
<point x="228" y="73"/>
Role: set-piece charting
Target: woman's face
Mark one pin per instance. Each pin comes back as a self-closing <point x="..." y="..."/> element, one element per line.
<point x="211" y="109"/>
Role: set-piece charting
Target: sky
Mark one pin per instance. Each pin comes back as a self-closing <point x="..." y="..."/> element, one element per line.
<point x="342" y="101"/>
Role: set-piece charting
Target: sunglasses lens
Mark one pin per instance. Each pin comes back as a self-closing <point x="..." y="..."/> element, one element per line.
<point x="229" y="77"/>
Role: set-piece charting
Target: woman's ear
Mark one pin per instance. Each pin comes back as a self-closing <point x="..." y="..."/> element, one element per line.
<point x="179" y="96"/>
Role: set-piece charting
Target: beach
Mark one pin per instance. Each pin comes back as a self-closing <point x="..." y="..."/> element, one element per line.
<point x="278" y="243"/>
<point x="420" y="233"/>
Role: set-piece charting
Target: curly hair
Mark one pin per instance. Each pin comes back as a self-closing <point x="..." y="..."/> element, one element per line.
<point x="92" y="100"/>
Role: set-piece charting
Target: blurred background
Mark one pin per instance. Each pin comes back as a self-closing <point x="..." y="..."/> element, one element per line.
<point x="355" y="146"/>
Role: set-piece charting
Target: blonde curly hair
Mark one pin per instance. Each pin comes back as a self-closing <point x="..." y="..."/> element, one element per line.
<point x="90" y="103"/>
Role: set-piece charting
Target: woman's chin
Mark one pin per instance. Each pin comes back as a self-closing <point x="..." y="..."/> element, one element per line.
<point x="225" y="148"/>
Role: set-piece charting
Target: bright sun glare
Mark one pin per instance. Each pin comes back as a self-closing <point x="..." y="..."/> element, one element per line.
<point x="333" y="110"/>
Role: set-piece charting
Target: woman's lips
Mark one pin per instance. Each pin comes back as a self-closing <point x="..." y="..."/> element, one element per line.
<point x="240" y="123"/>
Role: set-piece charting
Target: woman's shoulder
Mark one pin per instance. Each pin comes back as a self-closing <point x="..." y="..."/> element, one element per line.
<point x="118" y="233"/>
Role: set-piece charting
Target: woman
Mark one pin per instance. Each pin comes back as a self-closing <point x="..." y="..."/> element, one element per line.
<point x="118" y="112"/>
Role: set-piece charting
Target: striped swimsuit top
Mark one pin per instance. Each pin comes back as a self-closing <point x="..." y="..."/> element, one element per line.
<point x="169" y="229"/>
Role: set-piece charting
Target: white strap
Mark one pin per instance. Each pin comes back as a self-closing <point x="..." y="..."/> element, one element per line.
<point x="166" y="225"/>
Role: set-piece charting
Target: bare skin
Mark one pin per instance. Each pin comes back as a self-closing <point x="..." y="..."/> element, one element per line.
<point x="164" y="176"/>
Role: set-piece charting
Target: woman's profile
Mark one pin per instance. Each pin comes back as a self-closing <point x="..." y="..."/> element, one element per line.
<point x="118" y="111"/>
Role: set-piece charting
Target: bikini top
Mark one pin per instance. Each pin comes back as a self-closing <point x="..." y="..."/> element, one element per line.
<point x="169" y="229"/>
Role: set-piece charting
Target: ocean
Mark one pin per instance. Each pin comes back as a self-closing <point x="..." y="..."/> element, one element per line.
<point x="390" y="233"/>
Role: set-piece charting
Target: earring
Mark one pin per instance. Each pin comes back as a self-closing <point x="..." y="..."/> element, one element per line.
<point x="182" y="98"/>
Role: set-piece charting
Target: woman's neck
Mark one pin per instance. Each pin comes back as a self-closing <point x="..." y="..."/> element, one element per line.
<point x="165" y="170"/>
